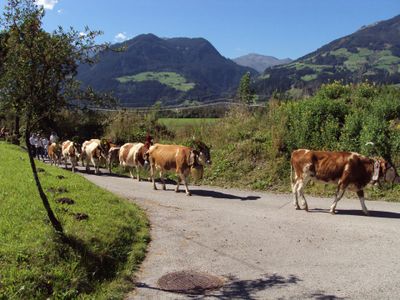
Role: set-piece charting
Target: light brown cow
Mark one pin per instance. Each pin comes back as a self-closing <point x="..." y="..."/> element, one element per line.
<point x="132" y="155"/>
<point x="69" y="150"/>
<point x="93" y="151"/>
<point x="54" y="152"/>
<point x="178" y="158"/>
<point x="348" y="170"/>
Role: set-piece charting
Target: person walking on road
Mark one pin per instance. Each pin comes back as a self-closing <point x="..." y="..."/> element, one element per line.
<point x="33" y="142"/>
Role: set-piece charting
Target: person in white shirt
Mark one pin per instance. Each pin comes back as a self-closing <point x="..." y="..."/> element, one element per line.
<point x="45" y="144"/>
<point x="53" y="137"/>
<point x="33" y="142"/>
<point x="39" y="148"/>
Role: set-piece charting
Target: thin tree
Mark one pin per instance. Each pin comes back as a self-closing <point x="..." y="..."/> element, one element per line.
<point x="38" y="73"/>
<point x="246" y="94"/>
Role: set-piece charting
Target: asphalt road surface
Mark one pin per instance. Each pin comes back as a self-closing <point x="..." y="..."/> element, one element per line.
<point x="262" y="247"/>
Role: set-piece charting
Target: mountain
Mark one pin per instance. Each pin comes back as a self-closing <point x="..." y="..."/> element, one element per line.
<point x="371" y="53"/>
<point x="260" y="62"/>
<point x="172" y="71"/>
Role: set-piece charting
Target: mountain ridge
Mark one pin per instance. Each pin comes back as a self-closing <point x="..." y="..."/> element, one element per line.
<point x="370" y="53"/>
<point x="140" y="75"/>
<point x="260" y="62"/>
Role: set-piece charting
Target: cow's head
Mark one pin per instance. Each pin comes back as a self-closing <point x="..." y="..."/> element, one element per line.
<point x="388" y="172"/>
<point x="77" y="149"/>
<point x="57" y="150"/>
<point x="201" y="153"/>
<point x="104" y="147"/>
<point x="144" y="154"/>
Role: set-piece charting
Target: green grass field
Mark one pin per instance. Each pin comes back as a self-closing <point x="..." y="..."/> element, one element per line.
<point x="178" y="123"/>
<point x="171" y="79"/>
<point x="35" y="264"/>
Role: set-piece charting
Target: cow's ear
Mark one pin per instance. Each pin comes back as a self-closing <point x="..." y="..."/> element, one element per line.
<point x="384" y="166"/>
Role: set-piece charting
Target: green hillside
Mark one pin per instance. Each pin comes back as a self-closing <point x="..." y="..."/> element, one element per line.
<point x="170" y="79"/>
<point x="371" y="53"/>
<point x="172" y="71"/>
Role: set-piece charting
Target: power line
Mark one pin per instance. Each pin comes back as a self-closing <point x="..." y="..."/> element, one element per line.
<point x="180" y="107"/>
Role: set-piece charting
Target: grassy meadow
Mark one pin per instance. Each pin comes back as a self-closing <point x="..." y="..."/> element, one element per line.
<point x="171" y="79"/>
<point x="177" y="124"/>
<point x="35" y="264"/>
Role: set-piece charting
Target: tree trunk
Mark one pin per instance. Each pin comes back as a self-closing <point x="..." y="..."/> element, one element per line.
<point x="16" y="127"/>
<point x="54" y="221"/>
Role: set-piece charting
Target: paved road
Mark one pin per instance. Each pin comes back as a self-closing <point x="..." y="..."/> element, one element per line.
<point x="262" y="247"/>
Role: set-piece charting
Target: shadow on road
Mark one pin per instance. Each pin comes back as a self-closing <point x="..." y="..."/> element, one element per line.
<point x="214" y="194"/>
<point x="359" y="212"/>
<point x="247" y="289"/>
<point x="241" y="289"/>
<point x="322" y="296"/>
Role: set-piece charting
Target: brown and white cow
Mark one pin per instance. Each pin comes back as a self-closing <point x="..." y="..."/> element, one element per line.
<point x="112" y="157"/>
<point x="54" y="152"/>
<point x="93" y="151"/>
<point x="70" y="151"/>
<point x="348" y="170"/>
<point x="179" y="158"/>
<point x="133" y="155"/>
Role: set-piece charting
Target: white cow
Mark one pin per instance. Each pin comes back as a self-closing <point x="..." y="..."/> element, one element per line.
<point x="69" y="150"/>
<point x="132" y="155"/>
<point x="92" y="151"/>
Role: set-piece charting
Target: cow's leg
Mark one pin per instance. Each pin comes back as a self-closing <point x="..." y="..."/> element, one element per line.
<point x="339" y="194"/>
<point x="152" y="169"/>
<point x="97" y="167"/>
<point x="178" y="182"/>
<point x="73" y="163"/>
<point x="184" y="179"/>
<point x="82" y="159"/>
<point x="138" y="172"/>
<point x="295" y="194"/>
<point x="66" y="163"/>
<point x="131" y="172"/>
<point x="300" y="191"/>
<point x="108" y="164"/>
<point x="87" y="165"/>
<point x="360" y="195"/>
<point x="162" y="180"/>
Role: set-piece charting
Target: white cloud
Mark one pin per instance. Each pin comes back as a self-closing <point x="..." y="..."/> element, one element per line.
<point x="82" y="33"/>
<point x="120" y="37"/>
<point x="47" y="4"/>
<point x="60" y="11"/>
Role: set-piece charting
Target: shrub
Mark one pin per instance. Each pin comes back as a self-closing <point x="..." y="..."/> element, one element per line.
<point x="334" y="90"/>
<point x="133" y="127"/>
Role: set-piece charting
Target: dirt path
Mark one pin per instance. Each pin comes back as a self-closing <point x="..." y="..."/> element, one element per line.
<point x="263" y="247"/>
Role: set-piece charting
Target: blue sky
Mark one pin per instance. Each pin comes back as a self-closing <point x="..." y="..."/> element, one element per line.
<point x="281" y="28"/>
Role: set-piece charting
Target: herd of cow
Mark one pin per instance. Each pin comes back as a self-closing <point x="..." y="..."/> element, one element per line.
<point x="348" y="170"/>
<point x="160" y="157"/>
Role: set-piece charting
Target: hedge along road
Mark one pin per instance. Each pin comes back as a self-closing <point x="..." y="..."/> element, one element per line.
<point x="262" y="247"/>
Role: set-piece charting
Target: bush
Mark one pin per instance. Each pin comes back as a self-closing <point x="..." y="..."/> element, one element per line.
<point x="128" y="126"/>
<point x="314" y="123"/>
<point x="334" y="90"/>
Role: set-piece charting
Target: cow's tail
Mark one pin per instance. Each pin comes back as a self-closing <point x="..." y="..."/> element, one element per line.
<point x="292" y="180"/>
<point x="291" y="175"/>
